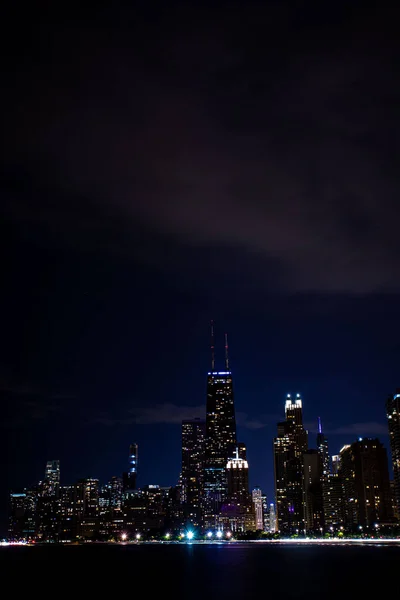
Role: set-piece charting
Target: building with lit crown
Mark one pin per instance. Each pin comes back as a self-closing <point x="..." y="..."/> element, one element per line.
<point x="289" y="447"/>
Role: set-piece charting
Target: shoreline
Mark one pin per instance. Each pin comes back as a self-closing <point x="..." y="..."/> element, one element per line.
<point x="288" y="541"/>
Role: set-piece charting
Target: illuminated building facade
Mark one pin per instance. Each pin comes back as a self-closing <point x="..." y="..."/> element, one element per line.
<point x="272" y="519"/>
<point x="289" y="447"/>
<point x="365" y="474"/>
<point x="192" y="474"/>
<point x="323" y="451"/>
<point x="220" y="439"/>
<point x="333" y="501"/>
<point x="257" y="498"/>
<point x="393" y="416"/>
<point x="335" y="464"/>
<point x="87" y="506"/>
<point x="52" y="476"/>
<point x="238" y="480"/>
<point x="22" y="515"/>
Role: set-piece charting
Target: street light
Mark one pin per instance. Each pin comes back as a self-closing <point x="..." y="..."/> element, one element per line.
<point x="138" y="536"/>
<point x="124" y="537"/>
<point x="219" y="534"/>
<point x="209" y="534"/>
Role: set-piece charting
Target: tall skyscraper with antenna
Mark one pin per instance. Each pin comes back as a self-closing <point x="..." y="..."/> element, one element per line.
<point x="220" y="439"/>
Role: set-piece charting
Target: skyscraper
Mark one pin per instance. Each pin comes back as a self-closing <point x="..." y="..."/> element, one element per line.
<point x="238" y="480"/>
<point x="313" y="507"/>
<point x="193" y="435"/>
<point x="365" y="474"/>
<point x="323" y="451"/>
<point x="335" y="464"/>
<point x="333" y="501"/>
<point x="393" y="416"/>
<point x="289" y="447"/>
<point x="220" y="437"/>
<point x="52" y="476"/>
<point x="258" y="507"/>
<point x="272" y="518"/>
<point x="133" y="464"/>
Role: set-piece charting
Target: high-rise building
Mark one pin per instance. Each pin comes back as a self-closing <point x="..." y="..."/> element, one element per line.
<point x="237" y="513"/>
<point x="323" y="451"/>
<point x="22" y="515"/>
<point x="272" y="518"/>
<point x="393" y="500"/>
<point x="52" y="476"/>
<point x="289" y="447"/>
<point x="365" y="474"/>
<point x="265" y="508"/>
<point x="393" y="416"/>
<point x="67" y="514"/>
<point x="257" y="498"/>
<point x="333" y="501"/>
<point x="87" y="506"/>
<point x="130" y="478"/>
<point x="335" y="464"/>
<point x="220" y="439"/>
<point x="313" y="507"/>
<point x="193" y="436"/>
<point x="238" y="480"/>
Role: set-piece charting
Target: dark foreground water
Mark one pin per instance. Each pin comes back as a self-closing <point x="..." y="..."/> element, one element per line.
<point x="201" y="572"/>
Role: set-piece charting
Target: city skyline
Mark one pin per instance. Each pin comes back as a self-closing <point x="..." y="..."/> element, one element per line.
<point x="224" y="376"/>
<point x="210" y="444"/>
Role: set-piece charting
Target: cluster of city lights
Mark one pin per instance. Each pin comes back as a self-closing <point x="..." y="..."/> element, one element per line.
<point x="189" y="535"/>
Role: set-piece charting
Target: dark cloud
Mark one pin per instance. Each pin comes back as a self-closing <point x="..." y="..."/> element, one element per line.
<point x="207" y="140"/>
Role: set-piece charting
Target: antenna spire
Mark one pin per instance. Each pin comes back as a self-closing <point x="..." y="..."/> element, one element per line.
<point x="319" y="425"/>
<point x="212" y="347"/>
<point x="226" y="353"/>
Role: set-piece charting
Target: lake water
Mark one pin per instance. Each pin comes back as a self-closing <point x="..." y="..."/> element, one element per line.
<point x="230" y="571"/>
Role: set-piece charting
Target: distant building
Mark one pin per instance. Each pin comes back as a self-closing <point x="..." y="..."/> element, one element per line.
<point x="130" y="478"/>
<point x="335" y="464"/>
<point x="393" y="416"/>
<point x="192" y="474"/>
<point x="365" y="474"/>
<point x="257" y="498"/>
<point x="67" y="513"/>
<point x="22" y="515"/>
<point x="237" y="513"/>
<point x="272" y="519"/>
<point x="289" y="447"/>
<point x="393" y="500"/>
<point x="323" y="451"/>
<point x="52" y="476"/>
<point x="87" y="507"/>
<point x="313" y="507"/>
<point x="238" y="480"/>
<point x="265" y="508"/>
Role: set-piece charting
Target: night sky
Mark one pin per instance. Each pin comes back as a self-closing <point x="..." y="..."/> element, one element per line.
<point x="167" y="165"/>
